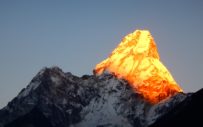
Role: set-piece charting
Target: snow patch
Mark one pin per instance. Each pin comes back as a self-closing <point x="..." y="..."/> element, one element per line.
<point x="56" y="80"/>
<point x="42" y="71"/>
<point x="64" y="101"/>
<point x="31" y="86"/>
<point x="101" y="110"/>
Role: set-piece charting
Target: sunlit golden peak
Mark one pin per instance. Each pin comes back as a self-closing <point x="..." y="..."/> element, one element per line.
<point x="136" y="60"/>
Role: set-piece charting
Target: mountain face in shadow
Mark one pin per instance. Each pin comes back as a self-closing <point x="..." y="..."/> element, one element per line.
<point x="187" y="113"/>
<point x="54" y="98"/>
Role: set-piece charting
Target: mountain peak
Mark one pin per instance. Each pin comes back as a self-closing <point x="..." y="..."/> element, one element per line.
<point x="54" y="98"/>
<point x="45" y="78"/>
<point x="136" y="59"/>
<point x="118" y="95"/>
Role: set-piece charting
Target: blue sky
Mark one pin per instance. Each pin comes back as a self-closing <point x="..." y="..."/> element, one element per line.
<point x="77" y="34"/>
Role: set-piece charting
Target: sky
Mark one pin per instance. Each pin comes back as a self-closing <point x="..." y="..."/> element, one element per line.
<point x="77" y="34"/>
